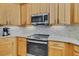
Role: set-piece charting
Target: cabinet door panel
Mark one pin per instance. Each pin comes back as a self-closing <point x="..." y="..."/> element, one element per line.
<point x="29" y="14"/>
<point x="2" y="14"/>
<point x="22" y="46"/>
<point x="7" y="47"/>
<point x="43" y="8"/>
<point x="55" y="51"/>
<point x="61" y="13"/>
<point x="68" y="13"/>
<point x="76" y="7"/>
<point x="13" y="14"/>
<point x="35" y="8"/>
<point x="53" y="13"/>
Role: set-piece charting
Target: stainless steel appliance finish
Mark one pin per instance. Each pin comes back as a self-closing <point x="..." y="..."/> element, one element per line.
<point x="37" y="46"/>
<point x="40" y="19"/>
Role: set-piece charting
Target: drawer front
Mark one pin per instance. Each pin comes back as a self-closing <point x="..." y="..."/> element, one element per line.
<point x="76" y="53"/>
<point x="76" y="48"/>
<point x="56" y="44"/>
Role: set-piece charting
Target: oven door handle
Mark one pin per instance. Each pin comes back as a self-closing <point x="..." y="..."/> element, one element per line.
<point x="33" y="41"/>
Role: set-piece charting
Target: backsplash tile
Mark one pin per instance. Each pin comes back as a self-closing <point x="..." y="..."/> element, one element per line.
<point x="67" y="31"/>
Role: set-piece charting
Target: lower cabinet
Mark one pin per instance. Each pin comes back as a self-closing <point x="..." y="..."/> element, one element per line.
<point x="12" y="46"/>
<point x="56" y="48"/>
<point x="75" y="50"/>
<point x="7" y="47"/>
<point x="21" y="46"/>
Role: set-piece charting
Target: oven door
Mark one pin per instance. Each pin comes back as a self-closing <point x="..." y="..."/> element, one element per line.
<point x="37" y="48"/>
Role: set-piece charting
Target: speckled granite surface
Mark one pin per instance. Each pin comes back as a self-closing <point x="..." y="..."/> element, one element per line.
<point x="59" y="33"/>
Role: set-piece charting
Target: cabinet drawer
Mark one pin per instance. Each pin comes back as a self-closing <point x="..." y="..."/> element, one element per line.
<point x="76" y="53"/>
<point x="56" y="44"/>
<point x="76" y="48"/>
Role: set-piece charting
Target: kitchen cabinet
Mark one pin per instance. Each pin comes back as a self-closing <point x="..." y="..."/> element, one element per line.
<point x="22" y="46"/>
<point x="66" y="13"/>
<point x="8" y="47"/>
<point x="2" y="14"/>
<point x="53" y="13"/>
<point x="56" y="48"/>
<point x="39" y="8"/>
<point x="9" y="14"/>
<point x="29" y="14"/>
<point x="75" y="50"/>
<point x="43" y="8"/>
<point x="15" y="14"/>
<point x="12" y="46"/>
<point x="76" y="13"/>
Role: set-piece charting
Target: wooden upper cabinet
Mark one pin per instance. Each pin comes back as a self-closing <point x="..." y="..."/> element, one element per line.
<point x="29" y="14"/>
<point x="61" y="13"/>
<point x="23" y="13"/>
<point x="10" y="14"/>
<point x="2" y="14"/>
<point x="13" y="14"/>
<point x="35" y="8"/>
<point x="44" y="7"/>
<point x="76" y="13"/>
<point x="66" y="13"/>
<point x="38" y="8"/>
<point x="53" y="13"/>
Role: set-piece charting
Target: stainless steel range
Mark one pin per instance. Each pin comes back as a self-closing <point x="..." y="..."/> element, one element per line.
<point x="37" y="44"/>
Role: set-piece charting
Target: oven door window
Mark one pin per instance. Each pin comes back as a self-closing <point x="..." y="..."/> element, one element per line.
<point x="37" y="49"/>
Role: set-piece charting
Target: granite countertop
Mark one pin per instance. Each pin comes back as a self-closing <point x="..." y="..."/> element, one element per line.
<point x="64" y="39"/>
<point x="51" y="37"/>
<point x="68" y="34"/>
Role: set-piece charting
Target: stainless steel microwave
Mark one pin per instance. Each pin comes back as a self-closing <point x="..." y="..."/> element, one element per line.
<point x="39" y="19"/>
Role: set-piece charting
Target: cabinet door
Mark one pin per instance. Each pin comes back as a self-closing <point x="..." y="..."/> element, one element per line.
<point x="13" y="14"/>
<point x="2" y="14"/>
<point x="76" y="50"/>
<point x="23" y="14"/>
<point x="61" y="13"/>
<point x="22" y="46"/>
<point x="69" y="13"/>
<point x="57" y="48"/>
<point x="54" y="51"/>
<point x="38" y="8"/>
<point x="7" y="47"/>
<point x="35" y="8"/>
<point x="43" y="8"/>
<point x="66" y="13"/>
<point x="53" y="13"/>
<point x="76" y="7"/>
<point x="29" y="14"/>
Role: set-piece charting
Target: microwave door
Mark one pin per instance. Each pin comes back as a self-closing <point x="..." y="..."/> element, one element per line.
<point x="40" y="20"/>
